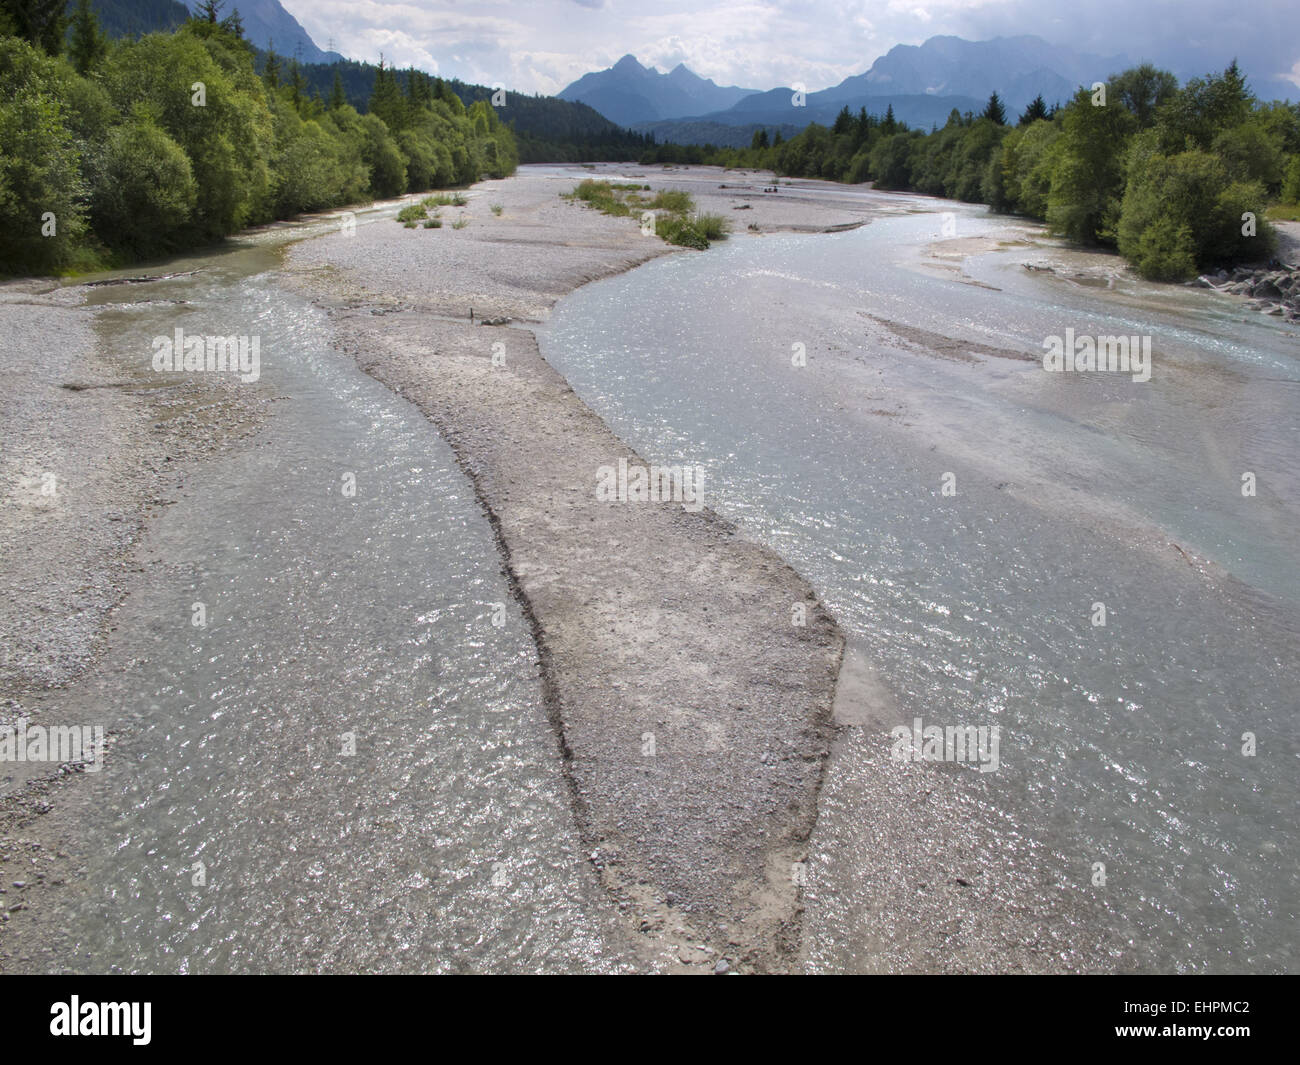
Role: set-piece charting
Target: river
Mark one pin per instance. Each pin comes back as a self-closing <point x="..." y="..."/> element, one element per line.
<point x="963" y="513"/>
<point x="348" y="765"/>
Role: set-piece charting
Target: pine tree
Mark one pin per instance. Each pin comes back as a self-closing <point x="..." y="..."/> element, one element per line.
<point x="994" y="111"/>
<point x="862" y="127"/>
<point x="88" y="44"/>
<point x="271" y="72"/>
<point x="234" y="25"/>
<point x="209" y="11"/>
<point x="41" y="23"/>
<point x="337" y="97"/>
<point x="890" y="125"/>
<point x="386" y="98"/>
<point x="1036" y="110"/>
<point x="296" y="85"/>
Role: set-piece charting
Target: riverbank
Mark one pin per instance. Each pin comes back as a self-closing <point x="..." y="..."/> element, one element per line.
<point x="689" y="672"/>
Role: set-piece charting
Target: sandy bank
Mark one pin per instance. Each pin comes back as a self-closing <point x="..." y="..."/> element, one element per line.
<point x="694" y="715"/>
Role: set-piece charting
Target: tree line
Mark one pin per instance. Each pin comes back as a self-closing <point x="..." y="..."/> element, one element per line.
<point x="112" y="151"/>
<point x="1177" y="178"/>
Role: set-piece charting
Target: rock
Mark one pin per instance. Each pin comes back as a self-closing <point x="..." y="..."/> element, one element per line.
<point x="721" y="967"/>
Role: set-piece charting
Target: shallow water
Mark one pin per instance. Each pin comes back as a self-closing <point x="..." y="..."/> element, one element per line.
<point x="1121" y="743"/>
<point x="231" y="830"/>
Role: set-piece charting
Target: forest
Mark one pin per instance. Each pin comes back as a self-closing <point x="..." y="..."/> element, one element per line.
<point x="1178" y="179"/>
<point x="201" y="134"/>
<point x="115" y="151"/>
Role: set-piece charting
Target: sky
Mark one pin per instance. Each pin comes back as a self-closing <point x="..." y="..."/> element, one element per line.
<point x="543" y="45"/>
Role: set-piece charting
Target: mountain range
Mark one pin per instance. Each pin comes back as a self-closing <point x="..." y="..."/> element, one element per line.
<point x="922" y="83"/>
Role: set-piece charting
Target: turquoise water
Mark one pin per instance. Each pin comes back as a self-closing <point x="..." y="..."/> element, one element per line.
<point x="1121" y="744"/>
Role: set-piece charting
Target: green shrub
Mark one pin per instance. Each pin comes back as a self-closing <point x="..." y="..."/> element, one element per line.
<point x="677" y="230"/>
<point x="40" y="164"/>
<point x="1165" y="251"/>
<point x="144" y="191"/>
<point x="1181" y="213"/>
<point x="412" y="214"/>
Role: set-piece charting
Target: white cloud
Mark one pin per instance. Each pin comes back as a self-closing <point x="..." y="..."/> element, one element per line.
<point x="543" y="45"/>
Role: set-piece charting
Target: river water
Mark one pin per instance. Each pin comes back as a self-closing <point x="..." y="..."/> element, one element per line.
<point x="1124" y="781"/>
<point x="230" y="832"/>
<point x="350" y="766"/>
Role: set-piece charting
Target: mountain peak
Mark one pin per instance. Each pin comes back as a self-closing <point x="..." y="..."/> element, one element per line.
<point x="628" y="92"/>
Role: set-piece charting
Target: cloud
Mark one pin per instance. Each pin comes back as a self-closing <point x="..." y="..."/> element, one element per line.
<point x="543" y="45"/>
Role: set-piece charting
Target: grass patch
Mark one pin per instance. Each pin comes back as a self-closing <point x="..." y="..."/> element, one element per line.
<point x="681" y="231"/>
<point x="433" y="223"/>
<point x="674" y="211"/>
<point x="1283" y="212"/>
<point x="411" y="215"/>
<point x="673" y="200"/>
<point x="712" y="226"/>
<point x="602" y="196"/>
<point x="461" y="222"/>
<point x="446" y="199"/>
<point x="497" y="209"/>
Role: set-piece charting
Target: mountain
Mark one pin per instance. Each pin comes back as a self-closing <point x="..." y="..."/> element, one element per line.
<point x="922" y="83"/>
<point x="267" y="23"/>
<point x="1016" y="68"/>
<point x="627" y="93"/>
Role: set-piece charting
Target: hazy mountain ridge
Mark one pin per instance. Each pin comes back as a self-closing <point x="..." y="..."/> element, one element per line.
<point x="1017" y="68"/>
<point x="922" y="83"/>
<point x="629" y="93"/>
